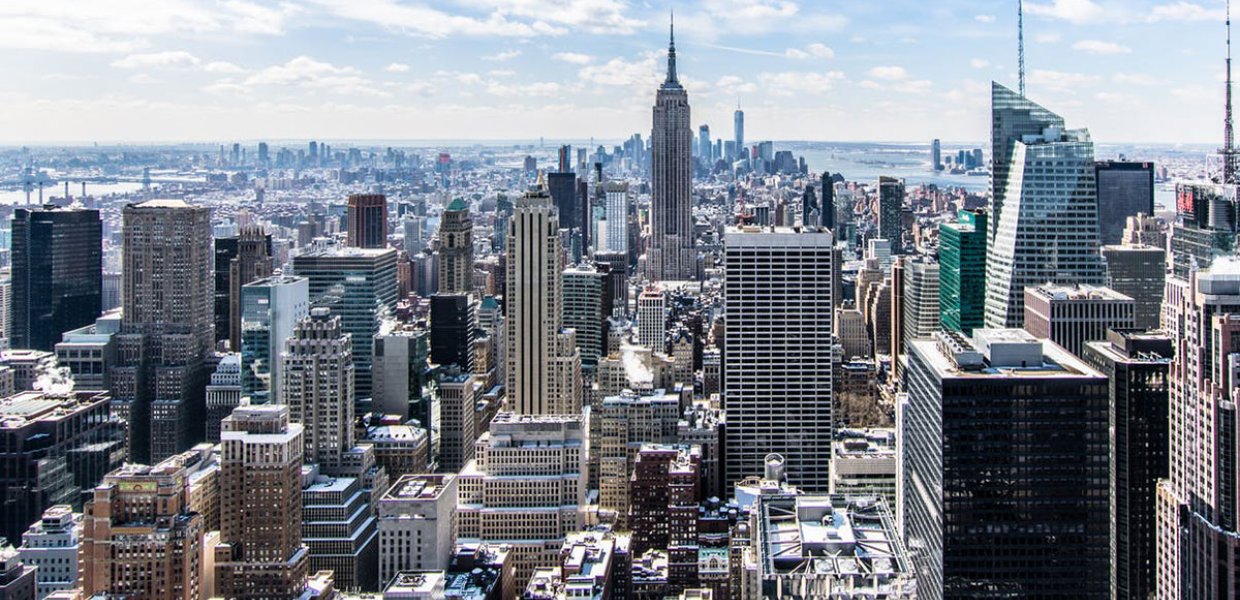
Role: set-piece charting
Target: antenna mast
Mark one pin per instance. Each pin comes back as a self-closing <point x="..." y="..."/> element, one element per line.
<point x="1020" y="42"/>
<point x="1230" y="156"/>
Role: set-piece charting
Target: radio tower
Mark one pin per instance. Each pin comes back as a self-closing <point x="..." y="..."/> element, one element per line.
<point x="1020" y="42"/>
<point x="1231" y="157"/>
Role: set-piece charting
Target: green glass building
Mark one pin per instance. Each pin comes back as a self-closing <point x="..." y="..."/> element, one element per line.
<point x="962" y="272"/>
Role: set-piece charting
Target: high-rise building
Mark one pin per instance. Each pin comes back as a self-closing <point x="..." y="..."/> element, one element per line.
<point x="526" y="487"/>
<point x="89" y="352"/>
<point x="403" y="372"/>
<point x="826" y="203"/>
<point x="340" y="529"/>
<point x="367" y="221"/>
<point x="936" y="155"/>
<point x="260" y="553"/>
<point x="1012" y="117"/>
<point x="1198" y="536"/>
<point x="1073" y="315"/>
<point x="1137" y="366"/>
<point x="359" y="285"/>
<point x="17" y="579"/>
<point x="652" y="318"/>
<point x="1004" y="434"/>
<point x="270" y="308"/>
<point x="318" y="386"/>
<point x="619" y="425"/>
<point x="166" y="327"/>
<point x="223" y="394"/>
<point x="563" y="189"/>
<point x="617" y="198"/>
<point x="543" y="366"/>
<point x="777" y="368"/>
<point x="1047" y="229"/>
<point x="1139" y="272"/>
<point x="57" y="270"/>
<point x="920" y="299"/>
<point x="962" y="268"/>
<point x="456" y="250"/>
<point x="1125" y="189"/>
<point x="890" y="212"/>
<point x="738" y="131"/>
<point x="51" y="544"/>
<point x="664" y="508"/>
<point x="584" y="301"/>
<point x="417" y="524"/>
<point x="141" y="538"/>
<point x="452" y="329"/>
<point x="670" y="255"/>
<point x="458" y="419"/>
<point x="239" y="260"/>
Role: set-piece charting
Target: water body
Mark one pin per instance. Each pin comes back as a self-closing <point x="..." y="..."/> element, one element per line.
<point x="17" y="197"/>
<point x="866" y="162"/>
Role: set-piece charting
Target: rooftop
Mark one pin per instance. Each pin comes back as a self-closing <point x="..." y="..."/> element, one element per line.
<point x="419" y="487"/>
<point x="999" y="353"/>
<point x="1054" y="292"/>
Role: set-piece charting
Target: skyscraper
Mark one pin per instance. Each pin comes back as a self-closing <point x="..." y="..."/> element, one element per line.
<point x="260" y="554"/>
<point x="738" y="130"/>
<point x="542" y="363"/>
<point x="1073" y="315"/>
<point x="1047" y="213"/>
<point x="936" y="155"/>
<point x="670" y="254"/>
<point x="617" y="198"/>
<point x="890" y="209"/>
<point x="563" y="189"/>
<point x="704" y="145"/>
<point x="270" y="309"/>
<point x="920" y="299"/>
<point x="584" y="288"/>
<point x="962" y="268"/>
<point x="1139" y="272"/>
<point x="1125" y="189"/>
<point x="1197" y="533"/>
<point x="1012" y="117"/>
<point x="456" y="250"/>
<point x="57" y="271"/>
<point x="367" y="221"/>
<point x="239" y="260"/>
<point x="318" y="387"/>
<point x="166" y="328"/>
<point x="777" y="369"/>
<point x="1007" y="435"/>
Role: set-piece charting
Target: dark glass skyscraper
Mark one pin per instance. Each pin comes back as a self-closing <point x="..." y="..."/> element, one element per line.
<point x="368" y="221"/>
<point x="890" y="207"/>
<point x="962" y="272"/>
<point x="57" y="274"/>
<point x="1124" y="189"/>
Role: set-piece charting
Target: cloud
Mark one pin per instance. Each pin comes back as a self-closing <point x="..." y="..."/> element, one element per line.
<point x="503" y="56"/>
<point x="1100" y="47"/>
<point x="979" y="63"/>
<point x="732" y="85"/>
<point x="621" y="72"/>
<point x="1047" y="38"/>
<point x="814" y="50"/>
<point x="423" y="21"/>
<point x="178" y="59"/>
<point x="1184" y="11"/>
<point x="1060" y="81"/>
<point x="603" y="17"/>
<point x="397" y="68"/>
<point x="575" y="58"/>
<point x="1136" y="79"/>
<point x="141" y="78"/>
<point x="1073" y="11"/>
<point x="220" y="66"/>
<point x="536" y="89"/>
<point x="307" y="73"/>
<point x="791" y="83"/>
<point x="889" y="73"/>
<point x="730" y="18"/>
<point x="984" y="18"/>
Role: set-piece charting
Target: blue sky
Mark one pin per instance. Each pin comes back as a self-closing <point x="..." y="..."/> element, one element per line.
<point x="881" y="70"/>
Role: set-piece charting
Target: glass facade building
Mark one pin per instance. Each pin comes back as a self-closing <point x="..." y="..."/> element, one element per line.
<point x="57" y="277"/>
<point x="962" y="272"/>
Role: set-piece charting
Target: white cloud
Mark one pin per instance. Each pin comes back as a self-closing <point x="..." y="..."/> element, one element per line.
<point x="621" y="72"/>
<point x="814" y="50"/>
<point x="307" y="73"/>
<point x="1101" y="47"/>
<point x="1047" y="38"/>
<point x="603" y="17"/>
<point x="1060" y="81"/>
<point x="503" y="56"/>
<point x="732" y="85"/>
<point x="575" y="58"/>
<point x="984" y="18"/>
<point x="397" y="68"/>
<point x="1136" y="79"/>
<point x="1073" y="11"/>
<point x="422" y="21"/>
<point x="790" y="83"/>
<point x="730" y="18"/>
<point x="141" y="78"/>
<point x="979" y="63"/>
<point x="220" y="66"/>
<point x="889" y="73"/>
<point x="537" y="89"/>
<point x="177" y="59"/>
<point x="226" y="88"/>
<point x="1184" y="11"/>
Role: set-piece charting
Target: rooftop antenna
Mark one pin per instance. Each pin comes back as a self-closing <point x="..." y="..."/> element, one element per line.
<point x="1020" y="42"/>
<point x="1231" y="159"/>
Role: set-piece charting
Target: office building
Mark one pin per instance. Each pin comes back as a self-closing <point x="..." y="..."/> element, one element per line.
<point x="936" y="155"/>
<point x="670" y="255"/>
<point x="738" y="131"/>
<point x="919" y="302"/>
<point x="17" y="579"/>
<point x="417" y="524"/>
<point x="890" y="212"/>
<point x="817" y="546"/>
<point x="1139" y="272"/>
<point x="619" y="425"/>
<point x="1145" y="230"/>
<point x="402" y="372"/>
<point x="166" y="327"/>
<point x="962" y="272"/>
<point x="367" y="220"/>
<point x="525" y="487"/>
<point x="1204" y="228"/>
<point x="1125" y="189"/>
<point x="1012" y="117"/>
<point x="542" y="365"/>
<point x="452" y="329"/>
<point x="1198" y="536"/>
<point x="340" y="529"/>
<point x="1042" y="234"/>
<point x="223" y="394"/>
<point x="456" y="249"/>
<point x="140" y="537"/>
<point x="1137" y="366"/>
<point x="584" y="301"/>
<point x="664" y="508"/>
<point x="562" y="187"/>
<point x="458" y="421"/>
<point x="652" y="319"/>
<point x="51" y="545"/>
<point x="401" y="449"/>
<point x="239" y="260"/>
<point x="617" y="204"/>
<point x="704" y="147"/>
<point x="1007" y="435"/>
<point x="260" y="553"/>
<point x="777" y="368"/>
<point x="270" y="309"/>
<point x="57" y="269"/>
<point x="1073" y="315"/>
<point x="89" y="352"/>
<point x="863" y="464"/>
<point x="359" y="285"/>
<point x="318" y="389"/>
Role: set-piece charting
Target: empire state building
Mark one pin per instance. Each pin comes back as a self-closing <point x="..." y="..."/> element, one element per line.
<point x="670" y="255"/>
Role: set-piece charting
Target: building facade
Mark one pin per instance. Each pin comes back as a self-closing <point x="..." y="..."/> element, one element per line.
<point x="57" y="271"/>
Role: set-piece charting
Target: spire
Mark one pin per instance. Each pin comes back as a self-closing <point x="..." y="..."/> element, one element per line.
<point x="1231" y="157"/>
<point x="671" y="52"/>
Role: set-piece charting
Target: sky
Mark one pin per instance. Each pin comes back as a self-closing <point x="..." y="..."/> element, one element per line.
<point x="831" y="70"/>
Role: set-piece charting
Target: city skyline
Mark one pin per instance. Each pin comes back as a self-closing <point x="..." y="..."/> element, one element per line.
<point x="483" y="69"/>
